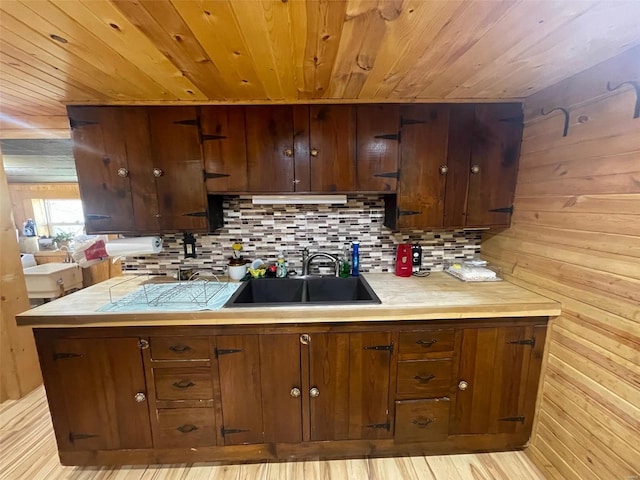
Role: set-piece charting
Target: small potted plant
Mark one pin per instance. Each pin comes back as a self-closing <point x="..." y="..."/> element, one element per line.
<point x="62" y="239"/>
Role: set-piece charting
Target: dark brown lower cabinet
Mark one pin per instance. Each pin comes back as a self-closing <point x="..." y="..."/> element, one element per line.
<point x="499" y="367"/>
<point x="96" y="391"/>
<point x="258" y="375"/>
<point x="349" y="385"/>
<point x="422" y="420"/>
<point x="178" y="427"/>
<point x="132" y="395"/>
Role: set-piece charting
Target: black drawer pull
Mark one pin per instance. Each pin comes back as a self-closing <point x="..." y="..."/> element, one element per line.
<point x="427" y="343"/>
<point x="425" y="379"/>
<point x="186" y="428"/>
<point x="184" y="384"/>
<point x="423" y="422"/>
<point x="179" y="348"/>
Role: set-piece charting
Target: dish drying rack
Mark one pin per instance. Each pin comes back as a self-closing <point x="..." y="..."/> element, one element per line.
<point x="191" y="289"/>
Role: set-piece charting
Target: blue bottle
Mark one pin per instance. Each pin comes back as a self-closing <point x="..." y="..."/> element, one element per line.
<point x="29" y="228"/>
<point x="355" y="259"/>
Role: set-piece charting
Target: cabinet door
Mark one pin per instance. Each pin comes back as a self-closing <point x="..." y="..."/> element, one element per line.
<point x="378" y="135"/>
<point x="494" y="163"/>
<point x="281" y="388"/>
<point x="225" y="150"/>
<point x="461" y="120"/>
<point x="101" y="137"/>
<point x="258" y="375"/>
<point x="500" y="368"/>
<point x="240" y="388"/>
<point x="333" y="148"/>
<point x="270" y="147"/>
<point x="423" y="152"/>
<point x="178" y="168"/>
<point x="91" y="387"/>
<point x="350" y="372"/>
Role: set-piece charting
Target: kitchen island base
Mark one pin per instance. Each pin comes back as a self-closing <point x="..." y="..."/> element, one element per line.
<point x="225" y="393"/>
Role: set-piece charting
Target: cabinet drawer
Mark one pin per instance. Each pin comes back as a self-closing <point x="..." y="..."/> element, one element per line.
<point x="427" y="341"/>
<point x="185" y="427"/>
<point x="180" y="348"/>
<point x="183" y="383"/>
<point x="422" y="420"/>
<point x="424" y="377"/>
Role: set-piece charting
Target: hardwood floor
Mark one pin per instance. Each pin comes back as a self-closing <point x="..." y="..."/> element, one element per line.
<point x="28" y="452"/>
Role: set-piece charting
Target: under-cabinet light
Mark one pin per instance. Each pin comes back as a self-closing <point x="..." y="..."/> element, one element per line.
<point x="297" y="199"/>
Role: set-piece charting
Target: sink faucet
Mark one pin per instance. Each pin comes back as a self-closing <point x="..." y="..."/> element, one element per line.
<point x="307" y="259"/>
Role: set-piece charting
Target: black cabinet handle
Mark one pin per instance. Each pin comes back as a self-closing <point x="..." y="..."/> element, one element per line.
<point x="183" y="384"/>
<point x="186" y="428"/>
<point x="179" y="348"/>
<point x="427" y="343"/>
<point x="422" y="422"/>
<point x="425" y="379"/>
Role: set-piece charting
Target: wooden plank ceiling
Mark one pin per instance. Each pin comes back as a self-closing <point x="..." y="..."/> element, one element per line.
<point x="57" y="52"/>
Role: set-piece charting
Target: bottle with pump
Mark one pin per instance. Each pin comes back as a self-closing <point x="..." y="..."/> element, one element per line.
<point x="355" y="258"/>
<point x="281" y="266"/>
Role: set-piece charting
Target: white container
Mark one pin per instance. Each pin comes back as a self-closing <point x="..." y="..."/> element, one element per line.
<point x="49" y="280"/>
<point x="28" y="244"/>
<point x="237" y="272"/>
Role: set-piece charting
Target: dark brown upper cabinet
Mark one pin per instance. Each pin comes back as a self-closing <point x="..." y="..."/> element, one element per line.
<point x="378" y="140"/>
<point x="177" y="169"/>
<point x="497" y="136"/>
<point x="279" y="148"/>
<point x="423" y="166"/>
<point x="458" y="166"/>
<point x="224" y="148"/>
<point x="269" y="137"/>
<point x="332" y="148"/>
<point x="139" y="169"/>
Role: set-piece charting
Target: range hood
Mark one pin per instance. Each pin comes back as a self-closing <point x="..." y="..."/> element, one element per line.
<point x="297" y="199"/>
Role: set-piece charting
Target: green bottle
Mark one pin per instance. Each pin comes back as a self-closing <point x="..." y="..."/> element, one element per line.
<point x="345" y="268"/>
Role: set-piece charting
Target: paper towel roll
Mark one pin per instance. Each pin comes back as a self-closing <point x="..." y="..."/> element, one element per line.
<point x="124" y="247"/>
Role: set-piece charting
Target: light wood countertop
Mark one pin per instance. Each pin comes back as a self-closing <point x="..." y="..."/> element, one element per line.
<point x="436" y="297"/>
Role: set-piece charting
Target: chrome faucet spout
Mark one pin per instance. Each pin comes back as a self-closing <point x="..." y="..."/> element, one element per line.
<point x="307" y="262"/>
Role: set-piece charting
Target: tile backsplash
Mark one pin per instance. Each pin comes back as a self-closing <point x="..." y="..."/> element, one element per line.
<point x="265" y="230"/>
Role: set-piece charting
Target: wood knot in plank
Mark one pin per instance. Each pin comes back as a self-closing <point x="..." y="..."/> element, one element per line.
<point x="364" y="62"/>
<point x="391" y="10"/>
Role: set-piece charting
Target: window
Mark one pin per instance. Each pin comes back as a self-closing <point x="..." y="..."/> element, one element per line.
<point x="57" y="216"/>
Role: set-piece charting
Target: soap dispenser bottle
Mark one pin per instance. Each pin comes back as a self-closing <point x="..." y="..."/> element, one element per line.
<point x="355" y="258"/>
<point x="281" y="266"/>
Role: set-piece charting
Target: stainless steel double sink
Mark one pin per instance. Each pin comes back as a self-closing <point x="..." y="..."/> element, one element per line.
<point x="263" y="292"/>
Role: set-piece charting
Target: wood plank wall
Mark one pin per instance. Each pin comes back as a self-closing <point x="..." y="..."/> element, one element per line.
<point x="575" y="237"/>
<point x="22" y="194"/>
<point x="34" y="126"/>
<point x="19" y="367"/>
